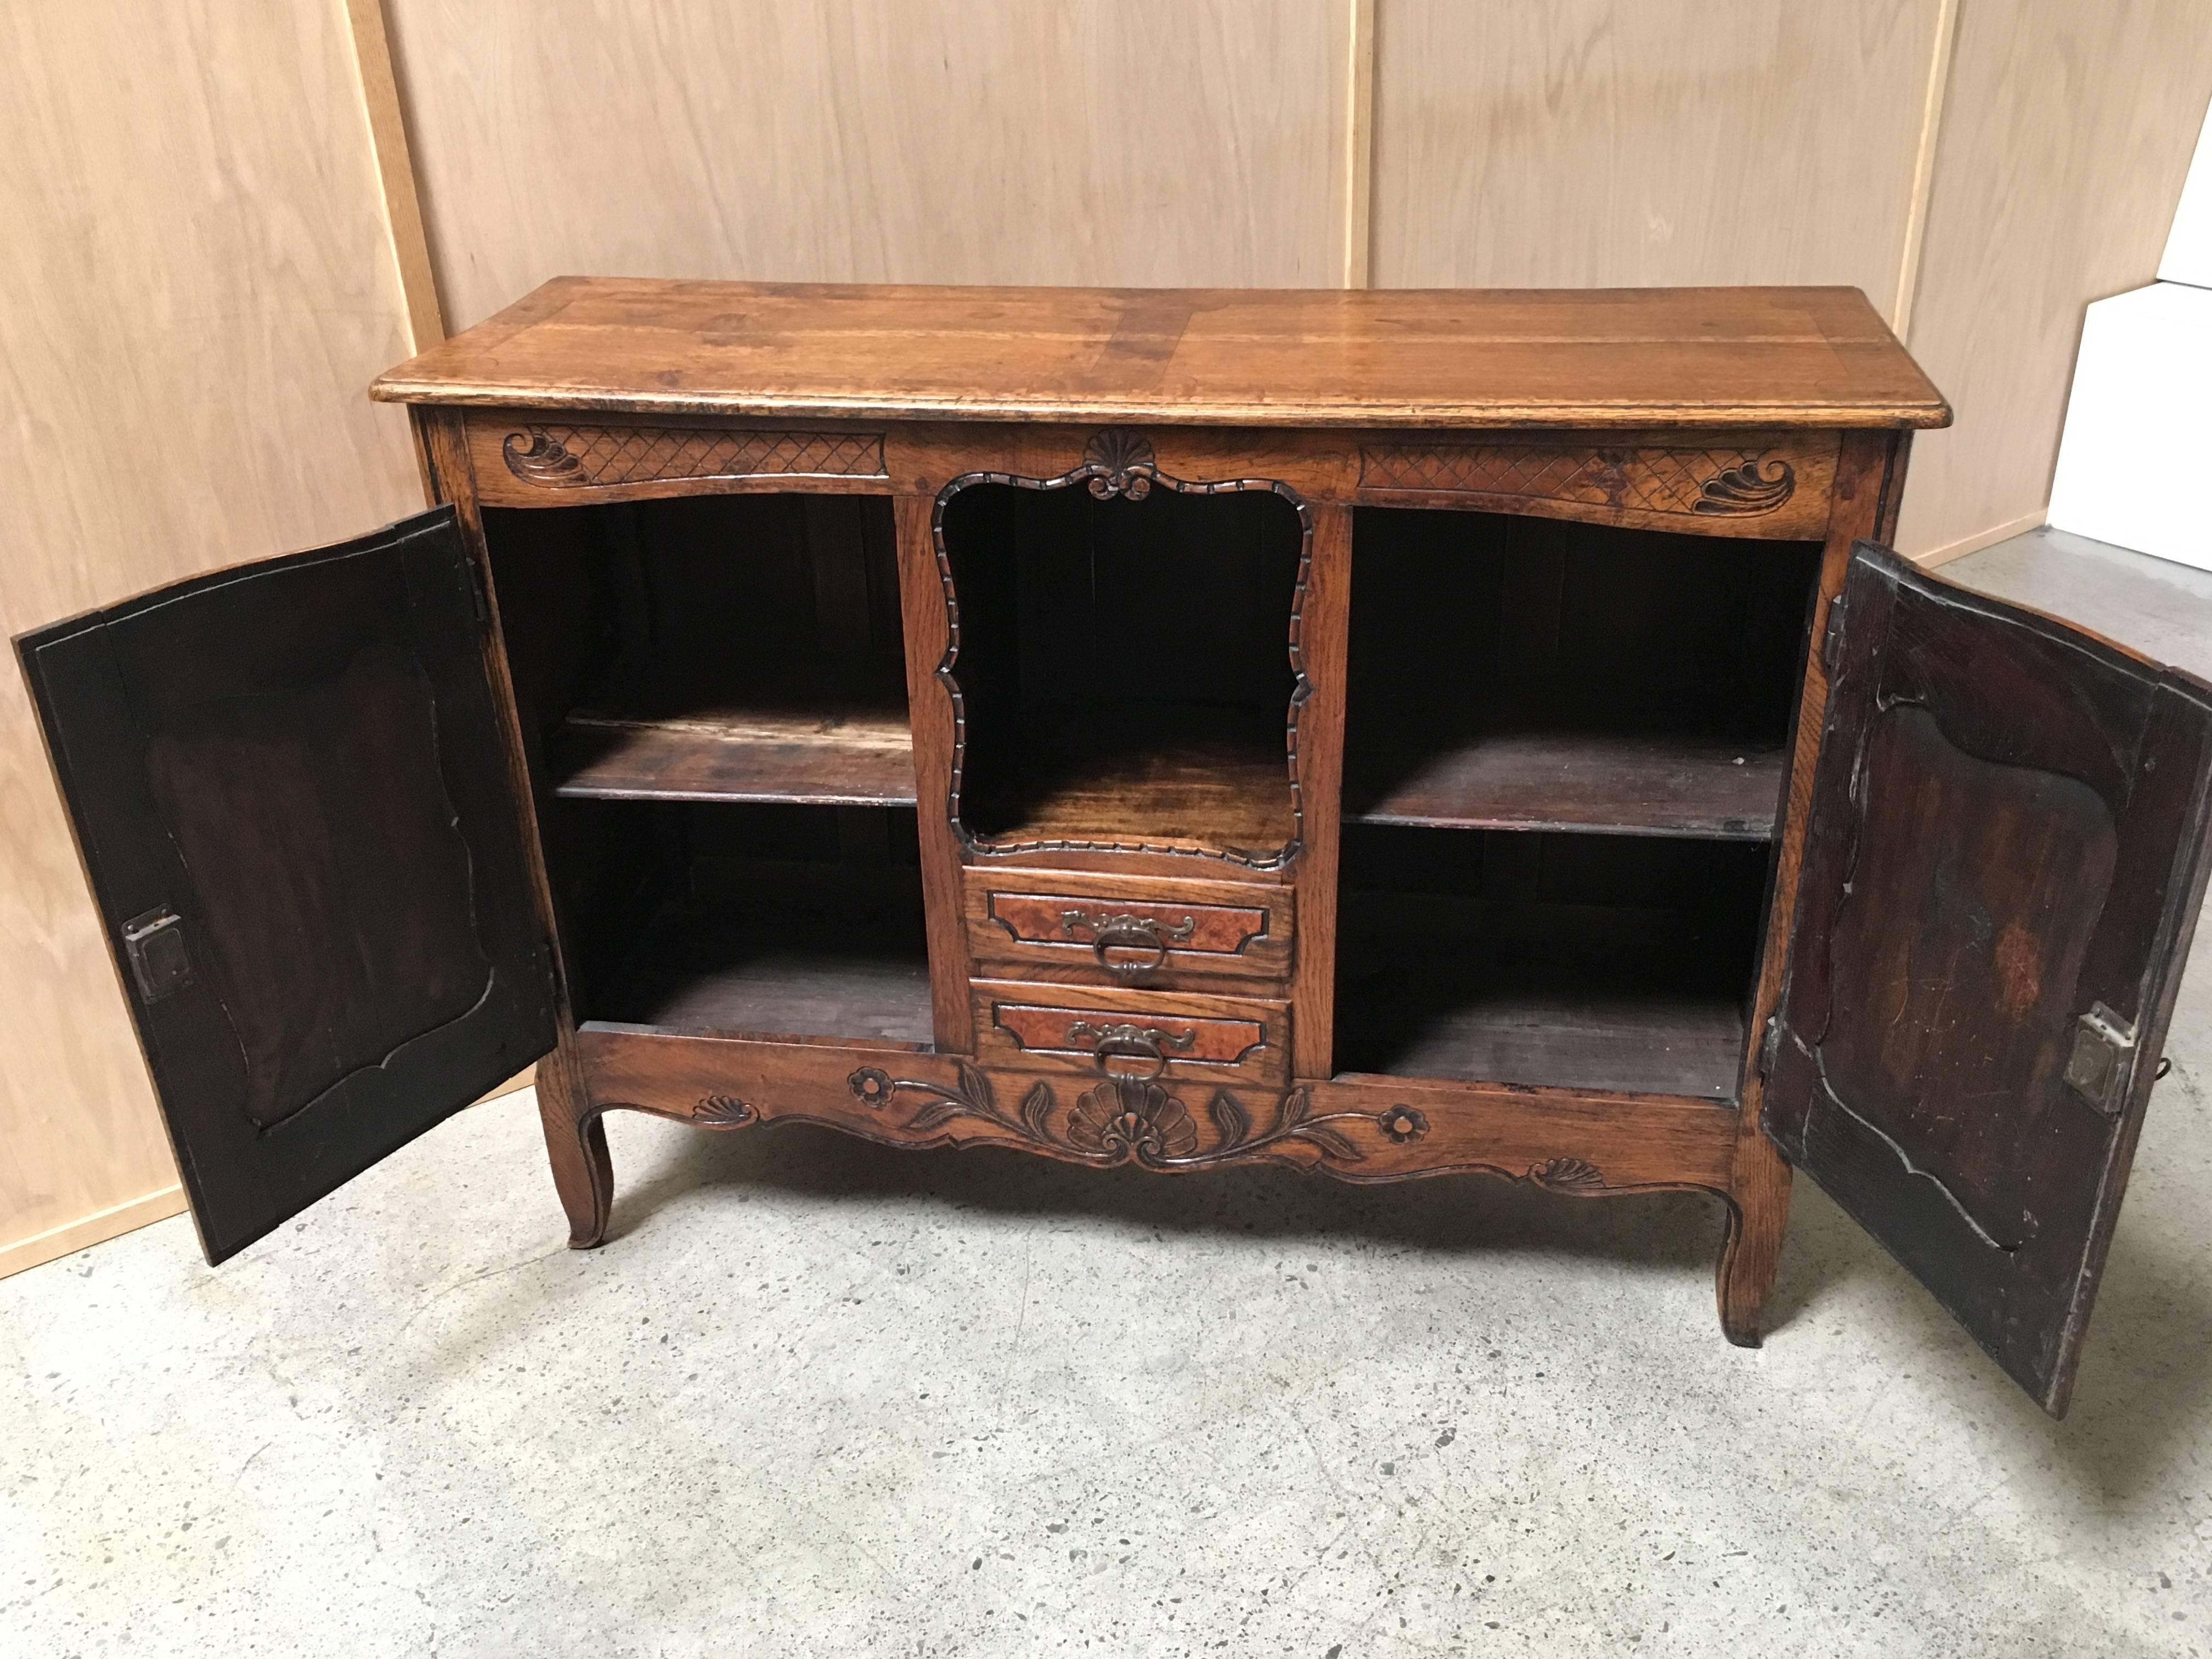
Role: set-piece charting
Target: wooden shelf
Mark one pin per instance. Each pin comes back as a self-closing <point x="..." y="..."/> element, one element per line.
<point x="1574" y="996"/>
<point x="1219" y="796"/>
<point x="1591" y="781"/>
<point x="835" y="756"/>
<point x="810" y="967"/>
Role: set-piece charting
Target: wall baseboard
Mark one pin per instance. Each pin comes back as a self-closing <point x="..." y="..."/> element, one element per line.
<point x="1982" y="538"/>
<point x="95" y="1228"/>
<point x="134" y="1213"/>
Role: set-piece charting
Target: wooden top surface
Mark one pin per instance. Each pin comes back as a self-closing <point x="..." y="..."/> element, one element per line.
<point x="1306" y="357"/>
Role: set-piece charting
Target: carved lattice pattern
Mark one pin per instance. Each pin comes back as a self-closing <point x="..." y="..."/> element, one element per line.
<point x="584" y="456"/>
<point x="1655" y="480"/>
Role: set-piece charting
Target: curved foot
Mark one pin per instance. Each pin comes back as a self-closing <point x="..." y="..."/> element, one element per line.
<point x="1759" y="1211"/>
<point x="576" y="1146"/>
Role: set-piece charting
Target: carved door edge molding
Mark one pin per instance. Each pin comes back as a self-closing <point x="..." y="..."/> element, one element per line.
<point x="1119" y="461"/>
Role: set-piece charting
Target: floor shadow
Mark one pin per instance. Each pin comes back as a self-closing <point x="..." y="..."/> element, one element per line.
<point x="1469" y="1214"/>
<point x="2144" y="1395"/>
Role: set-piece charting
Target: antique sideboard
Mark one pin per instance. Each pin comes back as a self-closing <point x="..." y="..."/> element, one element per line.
<point x="1392" y="733"/>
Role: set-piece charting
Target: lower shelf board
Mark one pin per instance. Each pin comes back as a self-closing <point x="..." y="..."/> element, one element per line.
<point x="1603" y="782"/>
<point x="1560" y="996"/>
<point x="802" y="974"/>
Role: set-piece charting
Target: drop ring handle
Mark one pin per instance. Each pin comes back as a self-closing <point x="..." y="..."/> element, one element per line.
<point x="1125" y="1043"/>
<point x="1146" y="935"/>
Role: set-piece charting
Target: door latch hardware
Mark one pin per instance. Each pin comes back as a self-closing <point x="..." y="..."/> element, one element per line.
<point x="2103" y="1058"/>
<point x="154" y="942"/>
<point x="1831" y="638"/>
<point x="1770" y="1045"/>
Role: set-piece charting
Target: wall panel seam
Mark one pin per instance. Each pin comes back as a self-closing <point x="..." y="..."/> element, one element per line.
<point x="1924" y="167"/>
<point x="399" y="193"/>
<point x="1357" y="157"/>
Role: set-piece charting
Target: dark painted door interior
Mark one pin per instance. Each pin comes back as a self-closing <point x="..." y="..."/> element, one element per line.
<point x="289" y="784"/>
<point x="2003" y="868"/>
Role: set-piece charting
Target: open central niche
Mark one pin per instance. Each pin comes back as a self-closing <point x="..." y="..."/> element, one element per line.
<point x="1126" y="665"/>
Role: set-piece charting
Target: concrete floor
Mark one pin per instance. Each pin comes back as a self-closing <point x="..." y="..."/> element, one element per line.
<point x="818" y="1397"/>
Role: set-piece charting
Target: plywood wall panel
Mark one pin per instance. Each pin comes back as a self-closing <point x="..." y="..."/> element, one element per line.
<point x="1142" y="142"/>
<point x="198" y="289"/>
<point x="1592" y="144"/>
<point x="2066" y="134"/>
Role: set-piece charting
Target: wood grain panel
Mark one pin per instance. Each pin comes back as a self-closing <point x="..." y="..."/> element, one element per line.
<point x="808" y="352"/>
<point x="200" y="286"/>
<point x="1588" y="142"/>
<point x="1153" y="141"/>
<point x="2066" y="133"/>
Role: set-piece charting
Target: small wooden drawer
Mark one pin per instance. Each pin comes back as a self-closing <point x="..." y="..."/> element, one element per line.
<point x="1100" y="1028"/>
<point x="1136" y="930"/>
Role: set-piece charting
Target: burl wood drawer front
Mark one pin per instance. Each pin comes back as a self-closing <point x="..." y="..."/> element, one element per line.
<point x="1099" y="1028"/>
<point x="1129" y="930"/>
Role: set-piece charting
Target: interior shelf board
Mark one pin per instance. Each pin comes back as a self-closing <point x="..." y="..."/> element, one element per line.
<point x="837" y="755"/>
<point x="1593" y="782"/>
<point x="791" y="972"/>
<point x="1221" y="797"/>
<point x="1569" y="996"/>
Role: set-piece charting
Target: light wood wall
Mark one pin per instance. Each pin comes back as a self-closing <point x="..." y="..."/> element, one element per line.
<point x="198" y="284"/>
<point x="2066" y="135"/>
<point x="1982" y="168"/>
<point x="1138" y="142"/>
<point x="213" y="246"/>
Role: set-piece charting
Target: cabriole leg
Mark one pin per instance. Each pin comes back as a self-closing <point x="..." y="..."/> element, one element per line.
<point x="576" y="1145"/>
<point x="1758" y="1217"/>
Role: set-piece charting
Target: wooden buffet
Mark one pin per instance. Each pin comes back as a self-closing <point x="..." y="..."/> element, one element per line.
<point x="1393" y="733"/>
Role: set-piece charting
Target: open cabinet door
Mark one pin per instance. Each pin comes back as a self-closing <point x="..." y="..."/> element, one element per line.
<point x="2004" y="863"/>
<point x="291" y="792"/>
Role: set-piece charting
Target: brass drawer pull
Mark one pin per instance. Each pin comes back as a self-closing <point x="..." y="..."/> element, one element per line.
<point x="1125" y="933"/>
<point x="1112" y="1043"/>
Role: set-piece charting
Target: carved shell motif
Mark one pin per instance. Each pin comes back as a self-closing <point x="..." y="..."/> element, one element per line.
<point x="1749" y="488"/>
<point x="537" y="455"/>
<point x="1126" y="462"/>
<point x="1131" y="1115"/>
<point x="723" y="1112"/>
<point x="1568" y="1174"/>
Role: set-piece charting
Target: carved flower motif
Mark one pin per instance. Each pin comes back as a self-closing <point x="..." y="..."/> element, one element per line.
<point x="1404" y="1123"/>
<point x="1126" y="1115"/>
<point x="870" y="1086"/>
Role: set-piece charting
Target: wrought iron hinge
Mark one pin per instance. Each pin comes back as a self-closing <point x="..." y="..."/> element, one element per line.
<point x="2102" y="1062"/>
<point x="1770" y="1045"/>
<point x="154" y="944"/>
<point x="473" y="577"/>
<point x="1832" y="641"/>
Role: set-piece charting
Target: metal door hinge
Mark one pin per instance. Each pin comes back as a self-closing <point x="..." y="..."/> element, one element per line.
<point x="473" y="577"/>
<point x="154" y="944"/>
<point x="1832" y="641"/>
<point x="1770" y="1045"/>
<point x="2102" y="1062"/>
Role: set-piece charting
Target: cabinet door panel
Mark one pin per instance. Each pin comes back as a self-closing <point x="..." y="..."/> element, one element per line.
<point x="2003" y="868"/>
<point x="288" y="785"/>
